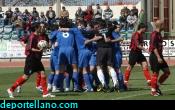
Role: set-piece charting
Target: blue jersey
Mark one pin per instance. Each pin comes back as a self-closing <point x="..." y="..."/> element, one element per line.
<point x="79" y="38"/>
<point x="65" y="39"/>
<point x="53" y="35"/>
<point x="116" y="35"/>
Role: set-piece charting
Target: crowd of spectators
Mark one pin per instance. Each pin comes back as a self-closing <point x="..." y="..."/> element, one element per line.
<point x="22" y="21"/>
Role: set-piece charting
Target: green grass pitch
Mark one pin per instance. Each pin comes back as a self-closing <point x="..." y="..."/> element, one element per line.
<point x="138" y="88"/>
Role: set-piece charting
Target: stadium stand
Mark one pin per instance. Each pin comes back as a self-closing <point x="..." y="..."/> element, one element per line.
<point x="67" y="2"/>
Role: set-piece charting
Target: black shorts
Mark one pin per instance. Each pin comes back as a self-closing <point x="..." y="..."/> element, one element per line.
<point x="136" y="57"/>
<point x="33" y="65"/>
<point x="105" y="56"/>
<point x="155" y="65"/>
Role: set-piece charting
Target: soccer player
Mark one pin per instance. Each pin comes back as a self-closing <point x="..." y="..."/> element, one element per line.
<point x="157" y="60"/>
<point x="118" y="55"/>
<point x="136" y="55"/>
<point x="105" y="55"/>
<point x="53" y="59"/>
<point x="67" y="55"/>
<point x="84" y="54"/>
<point x="24" y="41"/>
<point x="32" y="64"/>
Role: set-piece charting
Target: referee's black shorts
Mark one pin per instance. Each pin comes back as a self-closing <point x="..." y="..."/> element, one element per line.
<point x="105" y="56"/>
<point x="155" y="65"/>
<point x="136" y="57"/>
<point x="33" y="65"/>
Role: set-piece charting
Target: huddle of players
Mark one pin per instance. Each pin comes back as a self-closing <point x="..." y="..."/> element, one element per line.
<point x="88" y="54"/>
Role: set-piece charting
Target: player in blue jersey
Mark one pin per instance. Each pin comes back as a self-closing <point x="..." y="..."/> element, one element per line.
<point x="67" y="54"/>
<point x="53" y="59"/>
<point x="118" y="55"/>
<point x="84" y="53"/>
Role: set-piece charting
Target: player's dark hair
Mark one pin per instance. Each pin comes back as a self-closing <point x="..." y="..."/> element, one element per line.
<point x="35" y="27"/>
<point x="141" y="25"/>
<point x="64" y="23"/>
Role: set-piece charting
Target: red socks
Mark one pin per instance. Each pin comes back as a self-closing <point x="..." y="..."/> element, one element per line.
<point x="127" y="75"/>
<point x="44" y="85"/>
<point x="20" y="81"/>
<point x="38" y="79"/>
<point x="154" y="80"/>
<point x="147" y="75"/>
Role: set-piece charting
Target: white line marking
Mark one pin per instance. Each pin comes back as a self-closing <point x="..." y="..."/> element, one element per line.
<point x="119" y="98"/>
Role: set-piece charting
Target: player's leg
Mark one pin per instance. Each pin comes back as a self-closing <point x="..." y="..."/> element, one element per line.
<point x="166" y="72"/>
<point x="19" y="82"/>
<point x="75" y="78"/>
<point x="93" y="69"/>
<point x="146" y="72"/>
<point x="100" y="62"/>
<point x="52" y="74"/>
<point x="132" y="61"/>
<point x="44" y="85"/>
<point x="155" y="67"/>
<point x="110" y="64"/>
<point x="28" y="70"/>
<point x="117" y="66"/>
<point x="83" y="61"/>
<point x="57" y="79"/>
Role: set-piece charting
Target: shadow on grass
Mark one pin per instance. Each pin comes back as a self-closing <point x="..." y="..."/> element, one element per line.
<point x="137" y="89"/>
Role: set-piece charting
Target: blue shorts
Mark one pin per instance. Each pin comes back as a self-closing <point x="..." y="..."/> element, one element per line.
<point x="118" y="60"/>
<point x="93" y="60"/>
<point x="84" y="57"/>
<point x="54" y="62"/>
<point x="67" y="56"/>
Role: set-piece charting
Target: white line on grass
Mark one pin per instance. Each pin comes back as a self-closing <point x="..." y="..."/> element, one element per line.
<point x="131" y="96"/>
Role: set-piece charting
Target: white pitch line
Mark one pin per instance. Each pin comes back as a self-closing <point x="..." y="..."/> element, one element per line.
<point x="119" y="98"/>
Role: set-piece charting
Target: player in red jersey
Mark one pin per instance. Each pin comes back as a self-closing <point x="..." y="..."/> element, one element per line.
<point x="32" y="64"/>
<point x="136" y="55"/>
<point x="157" y="61"/>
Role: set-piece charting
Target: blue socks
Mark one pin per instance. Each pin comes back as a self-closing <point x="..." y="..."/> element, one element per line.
<point x="87" y="81"/>
<point x="75" y="78"/>
<point x="51" y="78"/>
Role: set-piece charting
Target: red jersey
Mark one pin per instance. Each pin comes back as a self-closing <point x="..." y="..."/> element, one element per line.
<point x="156" y="42"/>
<point x="32" y="42"/>
<point x="136" y="40"/>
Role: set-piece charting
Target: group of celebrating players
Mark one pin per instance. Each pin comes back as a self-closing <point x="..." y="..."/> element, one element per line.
<point x="89" y="54"/>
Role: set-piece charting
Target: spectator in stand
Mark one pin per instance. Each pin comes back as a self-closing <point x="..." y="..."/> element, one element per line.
<point x="131" y="20"/>
<point x="108" y="13"/>
<point x="98" y="12"/>
<point x="1" y="13"/>
<point x="135" y="11"/>
<point x="50" y="16"/>
<point x="122" y="20"/>
<point x="26" y="15"/>
<point x="9" y="15"/>
<point x="64" y="13"/>
<point x="89" y="14"/>
<point x="35" y="15"/>
<point x="27" y="21"/>
<point x="43" y="18"/>
<point x="79" y="13"/>
<point x="1" y="16"/>
<point x="19" y="23"/>
<point x="16" y="13"/>
<point x="126" y="10"/>
<point x="141" y="17"/>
